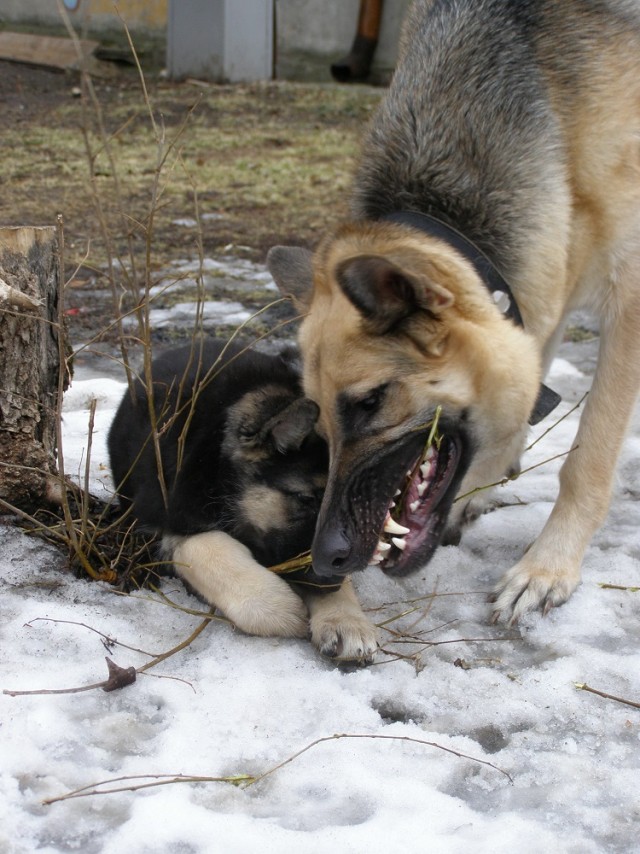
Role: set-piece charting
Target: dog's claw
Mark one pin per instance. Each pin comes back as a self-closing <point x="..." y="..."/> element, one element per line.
<point x="527" y="587"/>
<point x="347" y="646"/>
<point x="345" y="640"/>
<point x="339" y="628"/>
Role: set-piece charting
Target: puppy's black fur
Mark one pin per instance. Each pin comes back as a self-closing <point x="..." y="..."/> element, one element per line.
<point x="238" y="448"/>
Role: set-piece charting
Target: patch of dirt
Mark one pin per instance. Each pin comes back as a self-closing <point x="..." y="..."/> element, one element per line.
<point x="255" y="165"/>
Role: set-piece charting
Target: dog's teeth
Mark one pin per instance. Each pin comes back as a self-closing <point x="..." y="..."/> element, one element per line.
<point x="382" y="546"/>
<point x="425" y="470"/>
<point x="392" y="505"/>
<point x="392" y="527"/>
<point x="399" y="543"/>
<point x="409" y="472"/>
<point x="430" y="454"/>
<point x="422" y="488"/>
<point x="375" y="560"/>
<point x="414" y="506"/>
<point x="397" y="493"/>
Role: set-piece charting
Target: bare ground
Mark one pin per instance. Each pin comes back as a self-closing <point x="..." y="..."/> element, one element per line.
<point x="255" y="165"/>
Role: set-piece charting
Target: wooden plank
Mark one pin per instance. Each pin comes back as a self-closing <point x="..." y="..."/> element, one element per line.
<point x="50" y="51"/>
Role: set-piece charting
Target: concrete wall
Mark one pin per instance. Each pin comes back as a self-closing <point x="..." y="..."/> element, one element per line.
<point x="139" y="14"/>
<point x="307" y="35"/>
<point x="311" y="34"/>
<point x="146" y="20"/>
<point x="220" y="39"/>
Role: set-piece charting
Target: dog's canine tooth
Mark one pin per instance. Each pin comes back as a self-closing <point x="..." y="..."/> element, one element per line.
<point x="392" y="527"/>
<point x="399" y="543"/>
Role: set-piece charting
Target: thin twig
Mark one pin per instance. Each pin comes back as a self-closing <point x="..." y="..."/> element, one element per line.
<point x="581" y="686"/>
<point x="246" y="780"/>
<point x="559" y="421"/>
<point x="354" y="736"/>
<point x="604" y="586"/>
<point x="109" y="641"/>
<point x="109" y="685"/>
<point x="509" y="478"/>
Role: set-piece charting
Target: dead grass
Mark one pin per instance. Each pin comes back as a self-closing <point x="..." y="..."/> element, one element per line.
<point x="273" y="161"/>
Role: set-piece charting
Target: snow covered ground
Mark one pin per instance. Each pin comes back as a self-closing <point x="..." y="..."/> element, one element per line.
<point x="235" y="705"/>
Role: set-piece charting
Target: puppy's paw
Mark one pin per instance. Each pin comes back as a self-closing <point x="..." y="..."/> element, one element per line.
<point x="529" y="587"/>
<point x="274" y="611"/>
<point x="223" y="571"/>
<point x="346" y="639"/>
<point x="339" y="629"/>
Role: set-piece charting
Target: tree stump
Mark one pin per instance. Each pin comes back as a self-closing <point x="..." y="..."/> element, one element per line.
<point x="29" y="365"/>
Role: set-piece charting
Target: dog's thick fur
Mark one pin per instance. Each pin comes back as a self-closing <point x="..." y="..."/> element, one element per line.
<point x="516" y="122"/>
<point x="243" y="473"/>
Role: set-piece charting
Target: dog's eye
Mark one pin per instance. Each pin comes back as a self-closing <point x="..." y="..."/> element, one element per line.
<point x="309" y="502"/>
<point x="373" y="400"/>
<point x="247" y="432"/>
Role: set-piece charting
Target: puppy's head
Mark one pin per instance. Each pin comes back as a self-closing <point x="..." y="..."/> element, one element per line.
<point x="398" y="327"/>
<point x="279" y="471"/>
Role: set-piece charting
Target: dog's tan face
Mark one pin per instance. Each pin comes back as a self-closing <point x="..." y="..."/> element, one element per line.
<point x="396" y="327"/>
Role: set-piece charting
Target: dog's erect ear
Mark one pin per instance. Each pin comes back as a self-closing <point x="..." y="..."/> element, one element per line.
<point x="292" y="272"/>
<point x="289" y="428"/>
<point x="384" y="294"/>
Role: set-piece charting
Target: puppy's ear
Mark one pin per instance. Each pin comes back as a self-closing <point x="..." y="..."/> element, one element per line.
<point x="292" y="358"/>
<point x="385" y="294"/>
<point x="289" y="428"/>
<point x="292" y="272"/>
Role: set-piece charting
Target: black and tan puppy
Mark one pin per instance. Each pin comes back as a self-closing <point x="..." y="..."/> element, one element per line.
<point x="241" y="480"/>
<point x="497" y="191"/>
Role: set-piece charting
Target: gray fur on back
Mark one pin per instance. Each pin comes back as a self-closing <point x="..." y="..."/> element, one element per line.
<point x="468" y="131"/>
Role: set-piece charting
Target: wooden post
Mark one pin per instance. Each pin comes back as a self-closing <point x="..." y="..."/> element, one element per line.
<point x="29" y="365"/>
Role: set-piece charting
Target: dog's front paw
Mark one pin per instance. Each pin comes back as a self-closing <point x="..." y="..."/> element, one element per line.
<point x="345" y="638"/>
<point x="223" y="571"/>
<point x="339" y="628"/>
<point x="528" y="587"/>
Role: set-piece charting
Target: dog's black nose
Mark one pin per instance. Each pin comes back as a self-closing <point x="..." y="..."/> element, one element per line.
<point x="330" y="552"/>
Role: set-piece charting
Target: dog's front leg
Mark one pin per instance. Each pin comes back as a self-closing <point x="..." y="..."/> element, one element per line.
<point x="224" y="572"/>
<point x="550" y="570"/>
<point x="339" y="628"/>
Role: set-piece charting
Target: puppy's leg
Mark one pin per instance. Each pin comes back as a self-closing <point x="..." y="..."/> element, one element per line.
<point x="223" y="571"/>
<point x="339" y="628"/>
<point x="550" y="571"/>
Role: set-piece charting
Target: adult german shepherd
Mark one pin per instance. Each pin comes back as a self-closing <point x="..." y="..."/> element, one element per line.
<point x="239" y="488"/>
<point x="498" y="190"/>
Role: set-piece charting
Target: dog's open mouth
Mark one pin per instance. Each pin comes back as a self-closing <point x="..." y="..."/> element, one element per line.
<point x="416" y="516"/>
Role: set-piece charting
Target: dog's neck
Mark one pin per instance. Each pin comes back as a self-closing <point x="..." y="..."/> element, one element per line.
<point x="492" y="279"/>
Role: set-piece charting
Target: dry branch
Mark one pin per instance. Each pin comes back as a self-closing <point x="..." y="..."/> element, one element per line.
<point x="581" y="686"/>
<point x="119" y="677"/>
<point x="246" y="780"/>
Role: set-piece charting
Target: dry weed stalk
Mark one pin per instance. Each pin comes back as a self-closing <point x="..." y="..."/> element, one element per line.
<point x="246" y="780"/>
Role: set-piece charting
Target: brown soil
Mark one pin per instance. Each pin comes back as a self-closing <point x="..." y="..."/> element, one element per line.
<point x="265" y="164"/>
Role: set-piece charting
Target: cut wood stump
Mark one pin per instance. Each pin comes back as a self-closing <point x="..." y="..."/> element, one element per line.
<point x="29" y="365"/>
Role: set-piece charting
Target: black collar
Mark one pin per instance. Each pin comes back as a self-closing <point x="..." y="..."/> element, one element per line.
<point x="491" y="278"/>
